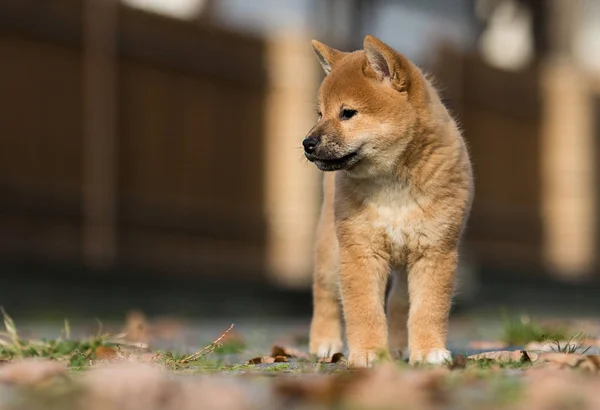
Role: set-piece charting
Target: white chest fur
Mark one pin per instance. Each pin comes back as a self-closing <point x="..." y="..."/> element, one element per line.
<point x="396" y="213"/>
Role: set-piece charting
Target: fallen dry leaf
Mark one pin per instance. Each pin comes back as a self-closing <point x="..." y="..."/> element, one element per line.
<point x="337" y="357"/>
<point x="106" y="353"/>
<point x="288" y="352"/>
<point x="458" y="362"/>
<point x="280" y="354"/>
<point x="262" y="360"/>
<point x="506" y="356"/>
<point x="268" y="360"/>
<point x="31" y="372"/>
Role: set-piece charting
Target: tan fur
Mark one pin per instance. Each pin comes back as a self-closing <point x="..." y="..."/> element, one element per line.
<point x="398" y="201"/>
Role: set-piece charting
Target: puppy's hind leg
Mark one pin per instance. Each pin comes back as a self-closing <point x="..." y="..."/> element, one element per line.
<point x="397" y="313"/>
<point x="326" y="326"/>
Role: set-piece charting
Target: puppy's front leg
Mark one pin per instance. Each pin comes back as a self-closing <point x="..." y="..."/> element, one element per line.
<point x="326" y="325"/>
<point x="430" y="286"/>
<point x="363" y="278"/>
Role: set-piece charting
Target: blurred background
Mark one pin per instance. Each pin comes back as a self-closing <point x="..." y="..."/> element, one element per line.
<point x="150" y="149"/>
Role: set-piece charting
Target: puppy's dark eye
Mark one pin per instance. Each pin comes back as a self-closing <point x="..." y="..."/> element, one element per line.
<point x="319" y="115"/>
<point x="346" y="114"/>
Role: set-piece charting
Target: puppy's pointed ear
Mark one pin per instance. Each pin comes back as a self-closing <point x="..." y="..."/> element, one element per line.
<point x="327" y="56"/>
<point x="387" y="64"/>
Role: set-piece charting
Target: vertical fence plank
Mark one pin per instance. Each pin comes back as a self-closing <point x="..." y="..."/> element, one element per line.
<point x="99" y="131"/>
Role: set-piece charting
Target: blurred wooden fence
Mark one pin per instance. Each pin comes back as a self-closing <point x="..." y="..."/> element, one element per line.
<point x="177" y="148"/>
<point x="534" y="147"/>
<point x="189" y="185"/>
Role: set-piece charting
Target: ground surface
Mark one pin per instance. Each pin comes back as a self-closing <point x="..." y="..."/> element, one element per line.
<point x="168" y="363"/>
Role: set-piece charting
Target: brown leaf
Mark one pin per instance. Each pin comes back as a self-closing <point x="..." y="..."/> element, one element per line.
<point x="504" y="356"/>
<point x="106" y="353"/>
<point x="31" y="372"/>
<point x="337" y="357"/>
<point x="287" y="352"/>
<point x="459" y="362"/>
<point x="280" y="359"/>
<point x="263" y="359"/>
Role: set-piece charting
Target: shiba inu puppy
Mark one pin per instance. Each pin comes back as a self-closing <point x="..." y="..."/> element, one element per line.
<point x="397" y="202"/>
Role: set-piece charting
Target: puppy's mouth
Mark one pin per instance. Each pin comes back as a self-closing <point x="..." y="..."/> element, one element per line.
<point x="334" y="164"/>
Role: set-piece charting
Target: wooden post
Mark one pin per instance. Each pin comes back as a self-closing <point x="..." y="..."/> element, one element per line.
<point x="292" y="184"/>
<point x="99" y="131"/>
<point x="568" y="150"/>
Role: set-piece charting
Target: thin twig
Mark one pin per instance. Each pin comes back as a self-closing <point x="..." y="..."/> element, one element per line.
<point x="208" y="349"/>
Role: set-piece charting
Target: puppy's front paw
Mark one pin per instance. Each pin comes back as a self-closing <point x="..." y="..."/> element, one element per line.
<point x="325" y="348"/>
<point x="430" y="356"/>
<point x="366" y="358"/>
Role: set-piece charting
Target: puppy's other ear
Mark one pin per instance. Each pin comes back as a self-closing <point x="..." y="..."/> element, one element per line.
<point x="327" y="56"/>
<point x="387" y="64"/>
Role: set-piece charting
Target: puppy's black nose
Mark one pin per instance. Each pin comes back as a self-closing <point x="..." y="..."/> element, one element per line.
<point x="310" y="144"/>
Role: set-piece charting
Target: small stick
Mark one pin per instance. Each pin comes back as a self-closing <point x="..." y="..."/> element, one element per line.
<point x="208" y="349"/>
